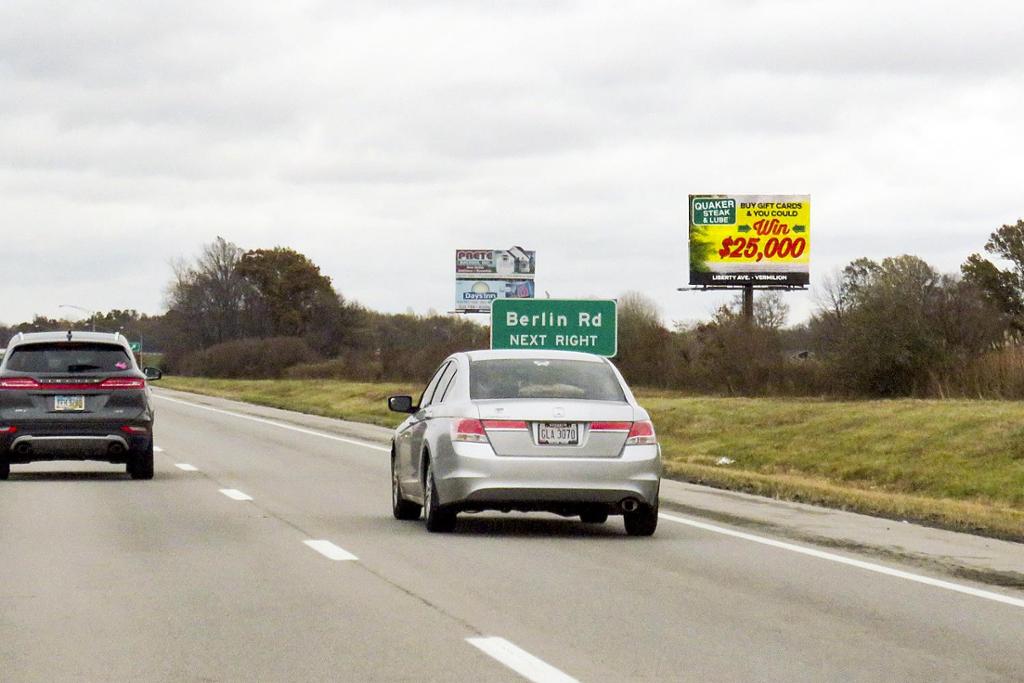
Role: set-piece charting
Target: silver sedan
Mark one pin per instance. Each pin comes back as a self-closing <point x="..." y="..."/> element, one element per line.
<point x="546" y="431"/>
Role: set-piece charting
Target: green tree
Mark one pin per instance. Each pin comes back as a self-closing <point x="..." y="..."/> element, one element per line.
<point x="1004" y="287"/>
<point x="906" y="328"/>
<point x="289" y="287"/>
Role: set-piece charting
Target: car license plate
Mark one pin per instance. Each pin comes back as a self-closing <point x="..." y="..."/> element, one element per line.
<point x="69" y="403"/>
<point x="558" y="434"/>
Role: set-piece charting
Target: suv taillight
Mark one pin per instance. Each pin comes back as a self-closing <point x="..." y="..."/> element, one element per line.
<point x="123" y="383"/>
<point x="642" y="434"/>
<point x="469" y="430"/>
<point x="132" y="429"/>
<point x="19" y="383"/>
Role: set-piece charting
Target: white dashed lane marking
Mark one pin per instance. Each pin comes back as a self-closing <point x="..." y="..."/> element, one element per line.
<point x="235" y="494"/>
<point x="520" y="661"/>
<point x="330" y="551"/>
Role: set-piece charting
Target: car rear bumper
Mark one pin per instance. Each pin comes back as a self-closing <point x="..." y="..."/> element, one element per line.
<point x="477" y="478"/>
<point x="31" y="448"/>
<point x="102" y="441"/>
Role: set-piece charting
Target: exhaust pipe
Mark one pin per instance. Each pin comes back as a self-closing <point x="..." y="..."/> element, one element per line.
<point x="630" y="505"/>
<point x="115" y="449"/>
<point x="23" y="448"/>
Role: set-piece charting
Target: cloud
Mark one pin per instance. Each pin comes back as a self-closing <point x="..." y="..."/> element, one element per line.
<point x="378" y="138"/>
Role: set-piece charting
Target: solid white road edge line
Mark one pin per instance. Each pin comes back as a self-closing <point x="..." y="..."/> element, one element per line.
<point x="235" y="494"/>
<point x="860" y="564"/>
<point x="274" y="423"/>
<point x="330" y="551"/>
<point x="520" y="661"/>
<point x="185" y="467"/>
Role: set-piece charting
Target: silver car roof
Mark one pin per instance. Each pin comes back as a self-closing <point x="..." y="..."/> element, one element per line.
<point x="509" y="354"/>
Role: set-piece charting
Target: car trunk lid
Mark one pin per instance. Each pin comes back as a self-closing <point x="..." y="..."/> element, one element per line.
<point x="71" y="397"/>
<point x="556" y="428"/>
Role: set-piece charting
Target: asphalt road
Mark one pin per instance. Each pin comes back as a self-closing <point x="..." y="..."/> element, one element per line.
<point x="103" y="578"/>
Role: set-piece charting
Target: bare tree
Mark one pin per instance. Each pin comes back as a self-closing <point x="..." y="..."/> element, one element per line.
<point x="639" y="306"/>
<point x="770" y="310"/>
<point x="830" y="297"/>
<point x="643" y="341"/>
<point x="211" y="297"/>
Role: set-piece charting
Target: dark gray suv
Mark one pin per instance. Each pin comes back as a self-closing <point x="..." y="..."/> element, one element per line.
<point x="75" y="396"/>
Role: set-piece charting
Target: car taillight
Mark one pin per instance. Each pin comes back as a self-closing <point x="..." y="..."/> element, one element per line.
<point x="131" y="429"/>
<point x="642" y="434"/>
<point x="505" y="425"/>
<point x="469" y="430"/>
<point x="123" y="383"/>
<point x="610" y="426"/>
<point x="8" y="429"/>
<point x="19" y="383"/>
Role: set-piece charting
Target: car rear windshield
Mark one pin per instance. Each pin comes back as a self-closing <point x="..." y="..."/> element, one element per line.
<point x="541" y="378"/>
<point x="68" y="357"/>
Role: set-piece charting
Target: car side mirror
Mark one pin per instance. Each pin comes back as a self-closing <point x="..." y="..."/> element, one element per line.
<point x="401" y="404"/>
<point x="152" y="373"/>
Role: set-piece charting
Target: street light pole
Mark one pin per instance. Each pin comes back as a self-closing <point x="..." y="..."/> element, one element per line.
<point x="92" y="314"/>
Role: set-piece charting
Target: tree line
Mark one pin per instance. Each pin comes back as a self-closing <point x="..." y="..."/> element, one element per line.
<point x="895" y="327"/>
<point x="268" y="313"/>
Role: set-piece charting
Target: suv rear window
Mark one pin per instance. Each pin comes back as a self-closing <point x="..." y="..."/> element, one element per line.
<point x="540" y="378"/>
<point x="68" y="357"/>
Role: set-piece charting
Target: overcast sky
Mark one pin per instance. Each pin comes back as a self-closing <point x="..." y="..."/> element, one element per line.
<point x="377" y="137"/>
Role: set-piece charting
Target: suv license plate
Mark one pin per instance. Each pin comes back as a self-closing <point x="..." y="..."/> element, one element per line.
<point x="68" y="403"/>
<point x="558" y="434"/>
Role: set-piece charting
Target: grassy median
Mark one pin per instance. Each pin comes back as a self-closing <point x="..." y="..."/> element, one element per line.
<point x="956" y="464"/>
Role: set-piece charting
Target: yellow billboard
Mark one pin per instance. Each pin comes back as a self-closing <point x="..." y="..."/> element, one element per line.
<point x="745" y="239"/>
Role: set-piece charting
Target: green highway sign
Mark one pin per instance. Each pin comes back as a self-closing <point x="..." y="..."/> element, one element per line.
<point x="589" y="325"/>
<point x="136" y="346"/>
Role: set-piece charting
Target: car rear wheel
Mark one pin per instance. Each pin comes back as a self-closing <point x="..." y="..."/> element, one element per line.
<point x="643" y="521"/>
<point x="402" y="508"/>
<point x="594" y="516"/>
<point x="5" y="470"/>
<point x="439" y="520"/>
<point x="140" y="465"/>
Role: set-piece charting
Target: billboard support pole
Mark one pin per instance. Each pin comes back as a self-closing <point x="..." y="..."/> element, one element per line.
<point x="748" y="304"/>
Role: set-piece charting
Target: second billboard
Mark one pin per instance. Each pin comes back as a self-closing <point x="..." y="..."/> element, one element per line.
<point x="485" y="275"/>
